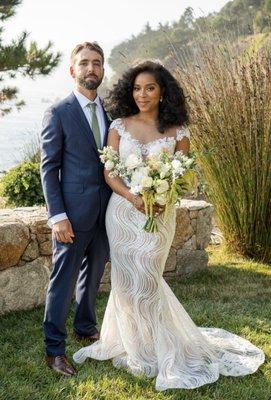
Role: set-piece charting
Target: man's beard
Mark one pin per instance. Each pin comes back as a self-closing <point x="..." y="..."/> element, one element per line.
<point x="89" y="85"/>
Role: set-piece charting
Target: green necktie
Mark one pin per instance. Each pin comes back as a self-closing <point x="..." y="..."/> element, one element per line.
<point x="94" y="124"/>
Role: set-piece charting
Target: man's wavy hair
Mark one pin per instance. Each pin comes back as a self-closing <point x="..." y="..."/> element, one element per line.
<point x="172" y="109"/>
<point x="87" y="45"/>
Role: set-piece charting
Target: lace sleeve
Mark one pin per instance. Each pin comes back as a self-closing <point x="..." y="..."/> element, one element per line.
<point x="118" y="125"/>
<point x="181" y="133"/>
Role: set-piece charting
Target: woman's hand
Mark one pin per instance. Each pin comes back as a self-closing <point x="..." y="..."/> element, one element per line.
<point x="157" y="209"/>
<point x="137" y="202"/>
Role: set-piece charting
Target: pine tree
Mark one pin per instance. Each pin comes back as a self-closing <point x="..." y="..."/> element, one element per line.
<point x="20" y="59"/>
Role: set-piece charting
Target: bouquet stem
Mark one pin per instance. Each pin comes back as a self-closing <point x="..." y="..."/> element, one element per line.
<point x="151" y="225"/>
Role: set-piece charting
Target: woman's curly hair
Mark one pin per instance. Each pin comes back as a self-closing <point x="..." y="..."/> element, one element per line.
<point x="172" y="109"/>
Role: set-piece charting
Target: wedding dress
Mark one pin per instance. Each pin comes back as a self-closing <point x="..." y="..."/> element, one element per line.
<point x="145" y="328"/>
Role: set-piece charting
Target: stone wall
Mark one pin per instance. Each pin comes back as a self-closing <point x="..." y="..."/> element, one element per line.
<point x="25" y="252"/>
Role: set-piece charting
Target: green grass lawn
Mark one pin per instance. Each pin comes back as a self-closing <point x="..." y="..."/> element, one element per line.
<point x="232" y="293"/>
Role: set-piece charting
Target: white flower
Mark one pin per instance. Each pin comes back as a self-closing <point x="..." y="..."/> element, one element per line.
<point x="138" y="175"/>
<point x="154" y="163"/>
<point x="113" y="174"/>
<point x="146" y="182"/>
<point x="109" y="165"/>
<point x="137" y="189"/>
<point x="161" y="199"/>
<point x="136" y="178"/>
<point x="179" y="154"/>
<point x="161" y="186"/>
<point x="176" y="164"/>
<point x="165" y="168"/>
<point x="188" y="163"/>
<point x="177" y="167"/>
<point x="133" y="161"/>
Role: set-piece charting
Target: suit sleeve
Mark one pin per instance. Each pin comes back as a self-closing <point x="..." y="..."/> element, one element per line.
<point x="51" y="161"/>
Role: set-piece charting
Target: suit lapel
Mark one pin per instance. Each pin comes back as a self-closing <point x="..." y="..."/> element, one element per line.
<point x="78" y="114"/>
<point x="107" y="125"/>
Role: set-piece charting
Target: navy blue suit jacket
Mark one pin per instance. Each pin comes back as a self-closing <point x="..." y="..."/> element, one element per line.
<point x="71" y="171"/>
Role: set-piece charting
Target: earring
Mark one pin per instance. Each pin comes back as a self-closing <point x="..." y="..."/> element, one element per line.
<point x="161" y="99"/>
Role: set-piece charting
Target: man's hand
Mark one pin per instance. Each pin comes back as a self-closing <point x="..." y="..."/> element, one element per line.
<point x="63" y="232"/>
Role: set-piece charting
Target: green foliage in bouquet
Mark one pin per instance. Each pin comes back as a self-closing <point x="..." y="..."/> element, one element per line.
<point x="230" y="107"/>
<point x="21" y="186"/>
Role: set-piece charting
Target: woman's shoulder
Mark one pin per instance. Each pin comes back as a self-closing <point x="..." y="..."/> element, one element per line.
<point x="181" y="132"/>
<point x="116" y="123"/>
<point x="178" y="132"/>
<point x="119" y="124"/>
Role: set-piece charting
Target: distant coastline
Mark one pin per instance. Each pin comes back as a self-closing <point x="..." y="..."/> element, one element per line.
<point x="17" y="129"/>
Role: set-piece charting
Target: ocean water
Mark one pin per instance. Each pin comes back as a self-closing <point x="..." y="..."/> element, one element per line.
<point x="17" y="129"/>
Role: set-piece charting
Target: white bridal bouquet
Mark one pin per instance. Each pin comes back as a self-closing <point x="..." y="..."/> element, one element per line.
<point x="160" y="178"/>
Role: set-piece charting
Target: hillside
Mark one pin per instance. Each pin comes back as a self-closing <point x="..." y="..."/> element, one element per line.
<point x="237" y="19"/>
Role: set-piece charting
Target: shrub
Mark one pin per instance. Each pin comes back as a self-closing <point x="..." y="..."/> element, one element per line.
<point x="230" y="104"/>
<point x="21" y="185"/>
<point x="31" y="149"/>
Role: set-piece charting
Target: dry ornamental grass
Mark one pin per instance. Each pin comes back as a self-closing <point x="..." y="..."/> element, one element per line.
<point x="230" y="106"/>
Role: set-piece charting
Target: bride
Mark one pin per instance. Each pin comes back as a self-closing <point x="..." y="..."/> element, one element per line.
<point x="145" y="328"/>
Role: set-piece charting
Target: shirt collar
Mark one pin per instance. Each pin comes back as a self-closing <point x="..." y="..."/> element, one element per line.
<point x="84" y="101"/>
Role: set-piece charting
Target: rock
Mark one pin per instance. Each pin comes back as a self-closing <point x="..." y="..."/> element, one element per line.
<point x="25" y="287"/>
<point x="46" y="248"/>
<point x="171" y="260"/>
<point x="217" y="237"/>
<point x="193" y="214"/>
<point x="21" y="263"/>
<point x="44" y="237"/>
<point x="204" y="228"/>
<point x="32" y="251"/>
<point x="105" y="287"/>
<point x="193" y="223"/>
<point x="48" y="262"/>
<point x="14" y="237"/>
<point x="107" y="273"/>
<point x="194" y="205"/>
<point x="189" y="261"/>
<point x="34" y="217"/>
<point x="41" y="229"/>
<point x="4" y="281"/>
<point x="184" y="229"/>
<point x="191" y="243"/>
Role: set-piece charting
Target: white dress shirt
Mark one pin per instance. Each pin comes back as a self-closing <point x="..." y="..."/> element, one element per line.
<point x="84" y="101"/>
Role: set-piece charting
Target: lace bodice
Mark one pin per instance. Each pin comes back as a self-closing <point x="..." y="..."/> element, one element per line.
<point x="129" y="145"/>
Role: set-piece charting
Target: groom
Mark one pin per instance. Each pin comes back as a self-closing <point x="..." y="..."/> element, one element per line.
<point x="76" y="197"/>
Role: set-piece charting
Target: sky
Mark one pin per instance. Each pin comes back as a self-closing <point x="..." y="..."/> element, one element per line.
<point x="68" y="22"/>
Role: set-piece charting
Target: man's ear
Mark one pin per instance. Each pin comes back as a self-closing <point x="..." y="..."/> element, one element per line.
<point x="72" y="71"/>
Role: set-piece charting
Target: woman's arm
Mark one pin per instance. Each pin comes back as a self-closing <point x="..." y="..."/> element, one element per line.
<point x="183" y="145"/>
<point x="116" y="183"/>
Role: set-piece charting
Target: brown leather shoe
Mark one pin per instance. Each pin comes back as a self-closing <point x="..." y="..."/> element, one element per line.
<point x="60" y="364"/>
<point x="82" y="338"/>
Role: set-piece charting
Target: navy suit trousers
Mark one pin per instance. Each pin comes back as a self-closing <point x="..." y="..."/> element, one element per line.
<point x="81" y="265"/>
